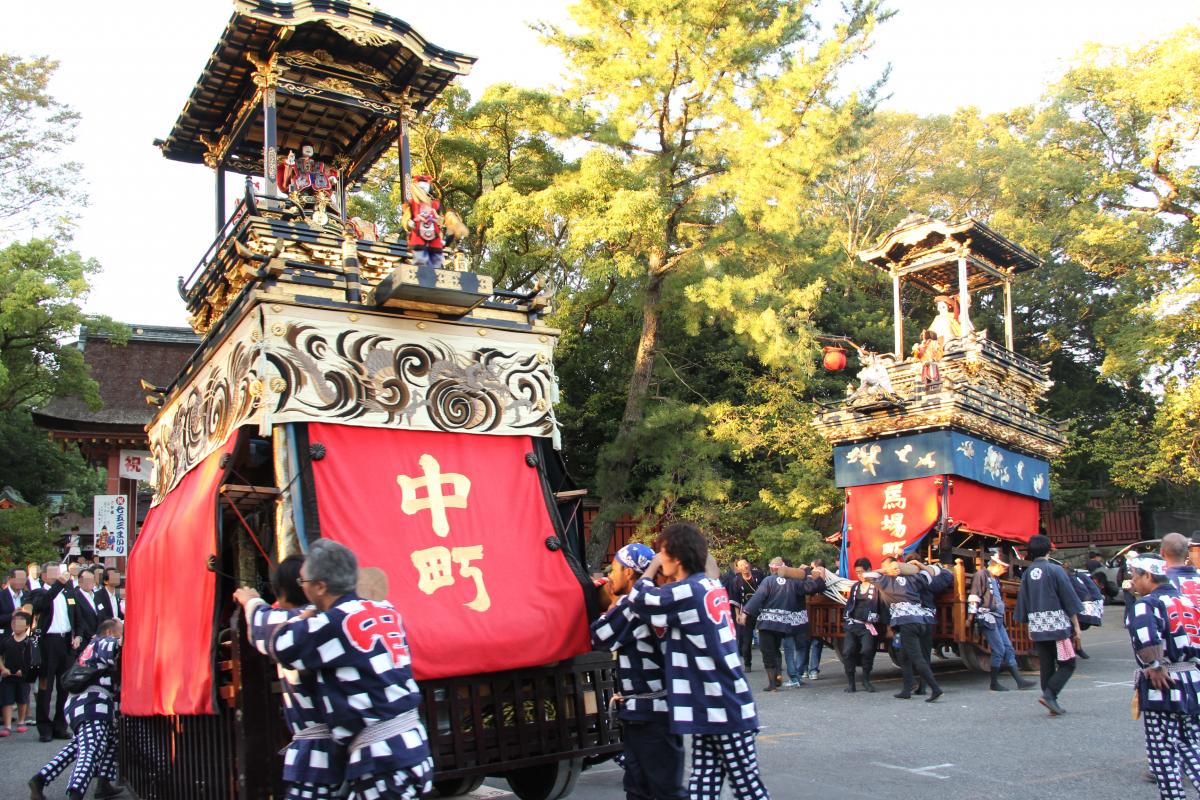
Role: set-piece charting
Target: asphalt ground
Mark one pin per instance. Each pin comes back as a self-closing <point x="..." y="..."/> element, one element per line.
<point x="818" y="742"/>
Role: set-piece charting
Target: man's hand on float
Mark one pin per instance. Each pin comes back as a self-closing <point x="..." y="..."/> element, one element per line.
<point x="243" y="595"/>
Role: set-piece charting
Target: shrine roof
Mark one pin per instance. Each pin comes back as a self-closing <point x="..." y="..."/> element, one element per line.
<point x="344" y="69"/>
<point x="153" y="353"/>
<point x="922" y="247"/>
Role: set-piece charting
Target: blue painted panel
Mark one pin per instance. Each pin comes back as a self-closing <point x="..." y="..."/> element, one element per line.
<point x="919" y="455"/>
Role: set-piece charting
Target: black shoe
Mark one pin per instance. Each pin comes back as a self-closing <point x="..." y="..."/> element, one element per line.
<point x="996" y="686"/>
<point x="36" y="784"/>
<point x="1021" y="682"/>
<point x="934" y="695"/>
<point x="45" y="737"/>
<point x="106" y="789"/>
<point x="74" y="794"/>
<point x="920" y="692"/>
<point x="1081" y="654"/>
<point x="1051" y="702"/>
<point x="903" y="695"/>
<point x="867" y="683"/>
<point x="64" y="735"/>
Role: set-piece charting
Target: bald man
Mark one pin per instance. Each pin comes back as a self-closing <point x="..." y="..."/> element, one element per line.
<point x="1183" y="576"/>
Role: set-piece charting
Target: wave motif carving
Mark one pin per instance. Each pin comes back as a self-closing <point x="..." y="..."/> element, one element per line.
<point x="372" y="379"/>
<point x="220" y="400"/>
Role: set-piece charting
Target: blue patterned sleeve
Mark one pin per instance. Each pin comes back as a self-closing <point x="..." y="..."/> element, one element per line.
<point x="1143" y="626"/>
<point x="106" y="653"/>
<point x="617" y="627"/>
<point x="311" y="643"/>
<point x="662" y="605"/>
<point x="263" y="622"/>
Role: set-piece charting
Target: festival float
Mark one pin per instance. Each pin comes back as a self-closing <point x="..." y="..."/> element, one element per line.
<point x="368" y="389"/>
<point x="940" y="449"/>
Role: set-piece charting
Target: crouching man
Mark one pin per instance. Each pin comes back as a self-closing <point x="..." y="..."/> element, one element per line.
<point x="359" y="651"/>
<point x="92" y="713"/>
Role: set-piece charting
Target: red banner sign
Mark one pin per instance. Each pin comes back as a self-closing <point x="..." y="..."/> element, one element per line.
<point x="883" y="519"/>
<point x="459" y="523"/>
<point x="996" y="512"/>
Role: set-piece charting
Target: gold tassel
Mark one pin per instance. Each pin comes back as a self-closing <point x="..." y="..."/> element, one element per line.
<point x="1135" y="708"/>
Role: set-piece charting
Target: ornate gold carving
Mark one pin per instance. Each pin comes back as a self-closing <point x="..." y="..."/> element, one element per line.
<point x="279" y="329"/>
<point x="255" y="388"/>
<point x="298" y="88"/>
<point x="481" y="331"/>
<point x="367" y="37"/>
<point x="278" y="385"/>
<point x="352" y="317"/>
<point x="266" y="73"/>
<point x="340" y="85"/>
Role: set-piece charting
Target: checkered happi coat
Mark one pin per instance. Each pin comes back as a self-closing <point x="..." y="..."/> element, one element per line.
<point x="706" y="689"/>
<point x="306" y="760"/>
<point x="1047" y="601"/>
<point x="639" y="650"/>
<point x="98" y="701"/>
<point x="1164" y="617"/>
<point x="359" y="651"/>
<point x="902" y="593"/>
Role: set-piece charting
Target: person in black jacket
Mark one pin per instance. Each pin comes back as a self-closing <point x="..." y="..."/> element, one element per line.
<point x="108" y="605"/>
<point x="743" y="586"/>
<point x="54" y="607"/>
<point x="87" y="609"/>
<point x="866" y="620"/>
<point x="11" y="598"/>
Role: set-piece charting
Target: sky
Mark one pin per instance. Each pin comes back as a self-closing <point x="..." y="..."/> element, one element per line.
<point x="128" y="68"/>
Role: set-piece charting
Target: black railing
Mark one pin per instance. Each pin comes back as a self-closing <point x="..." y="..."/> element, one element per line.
<point x="178" y="757"/>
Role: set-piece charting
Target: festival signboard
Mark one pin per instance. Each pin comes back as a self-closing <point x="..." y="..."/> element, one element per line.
<point x="136" y="465"/>
<point x="110" y="513"/>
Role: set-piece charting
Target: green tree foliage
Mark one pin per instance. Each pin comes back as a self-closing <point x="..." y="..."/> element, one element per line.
<point x="40" y="189"/>
<point x="35" y="466"/>
<point x="702" y="118"/>
<point x="25" y="537"/>
<point x="42" y="287"/>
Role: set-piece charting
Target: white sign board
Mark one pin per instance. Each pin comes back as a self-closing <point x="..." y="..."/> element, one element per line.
<point x="136" y="465"/>
<point x="111" y="520"/>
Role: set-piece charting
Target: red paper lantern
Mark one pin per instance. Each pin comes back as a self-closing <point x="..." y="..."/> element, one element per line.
<point x="835" y="359"/>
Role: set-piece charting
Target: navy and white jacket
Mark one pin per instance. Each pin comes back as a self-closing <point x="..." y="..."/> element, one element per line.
<point x="864" y="606"/>
<point x="1047" y="601"/>
<point x="98" y="701"/>
<point x="902" y="593"/>
<point x="780" y="604"/>
<point x="1187" y="580"/>
<point x="306" y="760"/>
<point x="359" y="651"/>
<point x="1090" y="597"/>
<point x="707" y="691"/>
<point x="1165" y="617"/>
<point x="639" y="650"/>
<point x="939" y="580"/>
<point x="986" y="600"/>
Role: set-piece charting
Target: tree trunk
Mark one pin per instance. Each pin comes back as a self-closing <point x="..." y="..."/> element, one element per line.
<point x="615" y="480"/>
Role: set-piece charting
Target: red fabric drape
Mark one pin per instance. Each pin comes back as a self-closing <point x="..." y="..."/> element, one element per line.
<point x="477" y="587"/>
<point x="885" y="518"/>
<point x="993" y="511"/>
<point x="167" y="659"/>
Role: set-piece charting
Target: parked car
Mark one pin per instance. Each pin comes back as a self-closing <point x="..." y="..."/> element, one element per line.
<point x="1110" y="577"/>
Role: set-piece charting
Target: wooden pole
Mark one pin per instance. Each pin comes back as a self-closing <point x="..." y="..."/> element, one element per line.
<point x="220" y="198"/>
<point x="964" y="297"/>
<point x="1008" y="315"/>
<point x="898" y="314"/>
<point x="270" y="143"/>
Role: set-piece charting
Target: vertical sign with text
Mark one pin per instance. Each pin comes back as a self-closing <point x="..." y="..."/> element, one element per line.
<point x="111" y="521"/>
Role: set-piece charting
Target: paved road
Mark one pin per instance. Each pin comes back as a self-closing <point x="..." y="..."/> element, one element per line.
<point x="821" y="743"/>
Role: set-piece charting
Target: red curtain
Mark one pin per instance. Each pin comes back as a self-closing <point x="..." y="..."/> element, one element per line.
<point x="993" y="511"/>
<point x="886" y="518"/>
<point x="469" y="570"/>
<point x="167" y="659"/>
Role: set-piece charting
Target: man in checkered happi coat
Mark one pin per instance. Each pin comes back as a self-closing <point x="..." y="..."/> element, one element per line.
<point x="1048" y="604"/>
<point x="91" y="713"/>
<point x="1164" y="628"/>
<point x="707" y="692"/>
<point x="359" y="651"/>
<point x="314" y="765"/>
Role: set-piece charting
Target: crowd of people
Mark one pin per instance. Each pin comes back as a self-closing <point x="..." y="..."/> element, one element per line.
<point x="54" y="616"/>
<point x="683" y="634"/>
